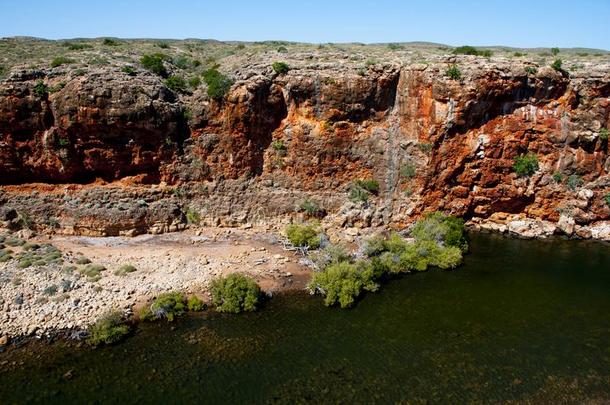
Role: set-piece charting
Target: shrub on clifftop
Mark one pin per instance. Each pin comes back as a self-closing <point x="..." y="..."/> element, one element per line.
<point x="154" y="63"/>
<point x="235" y="293"/>
<point x="218" y="84"/>
<point x="280" y="68"/>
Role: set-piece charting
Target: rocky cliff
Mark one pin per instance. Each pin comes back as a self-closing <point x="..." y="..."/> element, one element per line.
<point x="108" y="150"/>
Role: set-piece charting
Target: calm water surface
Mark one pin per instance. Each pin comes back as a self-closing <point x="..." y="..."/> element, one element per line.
<point x="522" y="321"/>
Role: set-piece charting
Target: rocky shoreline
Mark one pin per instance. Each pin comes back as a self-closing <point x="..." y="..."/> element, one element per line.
<point x="42" y="299"/>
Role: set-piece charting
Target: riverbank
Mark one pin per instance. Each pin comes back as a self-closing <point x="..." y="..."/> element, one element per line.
<point x="42" y="298"/>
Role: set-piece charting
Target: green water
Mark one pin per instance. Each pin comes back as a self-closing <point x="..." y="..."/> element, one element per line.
<point x="522" y="321"/>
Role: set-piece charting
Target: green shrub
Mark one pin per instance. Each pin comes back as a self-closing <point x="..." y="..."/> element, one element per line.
<point x="181" y="62"/>
<point x="555" y="51"/>
<point x="471" y="50"/>
<point x="453" y="72"/>
<point x="24" y="263"/>
<point x="302" y="235"/>
<point x="408" y="171"/>
<point x="280" y="68"/>
<point x="154" y="63"/>
<point x="370" y="185"/>
<point x="93" y="271"/>
<point x="574" y="182"/>
<point x="343" y="282"/>
<point x="282" y="49"/>
<point x="13" y="241"/>
<point x="557" y="65"/>
<point x="110" y="42"/>
<point x="61" y="60"/>
<point x="331" y="254"/>
<point x="192" y="216"/>
<point x="82" y="260"/>
<point x="607" y="198"/>
<point x="129" y="70"/>
<point x="557" y="177"/>
<point x="235" y="293"/>
<point x="531" y="70"/>
<point x="194" y="82"/>
<point x="195" y="304"/>
<point x="109" y="329"/>
<point x="124" y="270"/>
<point x="603" y="134"/>
<point x="279" y="146"/>
<point x="395" y="47"/>
<point x="50" y="290"/>
<point x="442" y="229"/>
<point x="176" y="83"/>
<point x="168" y="305"/>
<point x="162" y="45"/>
<point x="5" y="258"/>
<point x="76" y="46"/>
<point x="218" y="84"/>
<point x="310" y="207"/>
<point x="358" y="194"/>
<point x="40" y="89"/>
<point x="30" y="246"/>
<point x="526" y="165"/>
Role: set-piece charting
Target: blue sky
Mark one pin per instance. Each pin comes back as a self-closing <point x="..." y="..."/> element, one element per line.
<point x="578" y="23"/>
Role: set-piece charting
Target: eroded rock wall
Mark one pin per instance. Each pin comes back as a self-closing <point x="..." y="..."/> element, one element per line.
<point x="128" y="155"/>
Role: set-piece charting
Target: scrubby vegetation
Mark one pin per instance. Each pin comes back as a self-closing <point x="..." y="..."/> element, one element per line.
<point x="128" y="70"/>
<point x="311" y="208"/>
<point x="218" y="84"/>
<point x="526" y="165"/>
<point x="41" y="90"/>
<point x="603" y="134"/>
<point x="154" y="63"/>
<point x="607" y="199"/>
<point x="124" y="270"/>
<point x="110" y="329"/>
<point x="304" y="235"/>
<point x="195" y="304"/>
<point x="361" y="190"/>
<point x="557" y="65"/>
<point x="235" y="293"/>
<point x="166" y="306"/>
<point x="453" y="72"/>
<point x="439" y="241"/>
<point x="574" y="182"/>
<point x="176" y="83"/>
<point x="471" y="50"/>
<point x="61" y="60"/>
<point x="280" y="68"/>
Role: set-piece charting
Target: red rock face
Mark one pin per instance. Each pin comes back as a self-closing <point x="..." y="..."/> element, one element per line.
<point x="318" y="130"/>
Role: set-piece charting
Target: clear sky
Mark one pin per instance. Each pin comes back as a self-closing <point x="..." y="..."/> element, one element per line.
<point x="520" y="23"/>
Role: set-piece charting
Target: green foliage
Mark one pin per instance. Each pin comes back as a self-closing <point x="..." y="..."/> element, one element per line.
<point x="555" y="51"/>
<point x="40" y="89"/>
<point x="557" y="177"/>
<point x="574" y="182"/>
<point x="93" y="272"/>
<point x="154" y="63"/>
<point x="518" y="54"/>
<point x="280" y="68"/>
<point x="109" y="329"/>
<point x="162" y="45"/>
<point x="282" y="49"/>
<point x="395" y="47"/>
<point x="194" y="82"/>
<point x="24" y="263"/>
<point x="181" y="62"/>
<point x="192" y="216"/>
<point x="168" y="305"/>
<point x="176" y="83"/>
<point x="341" y="283"/>
<point x="425" y="147"/>
<point x="218" y="84"/>
<point x="50" y="290"/>
<point x="310" y="207"/>
<point x="195" y="304"/>
<point x="128" y="70"/>
<point x="531" y="70"/>
<point x="61" y="60"/>
<point x="124" y="270"/>
<point x="331" y="254"/>
<point x="76" y="46"/>
<point x="557" y="65"/>
<point x="279" y="146"/>
<point x="471" y="50"/>
<point x="82" y="260"/>
<point x="408" y="171"/>
<point x="607" y="199"/>
<point x="14" y="241"/>
<point x="370" y="185"/>
<point x="526" y="165"/>
<point x="603" y="134"/>
<point x="302" y="235"/>
<point x="442" y="229"/>
<point x="358" y="194"/>
<point x="453" y="72"/>
<point x="110" y="42"/>
<point x="235" y="293"/>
